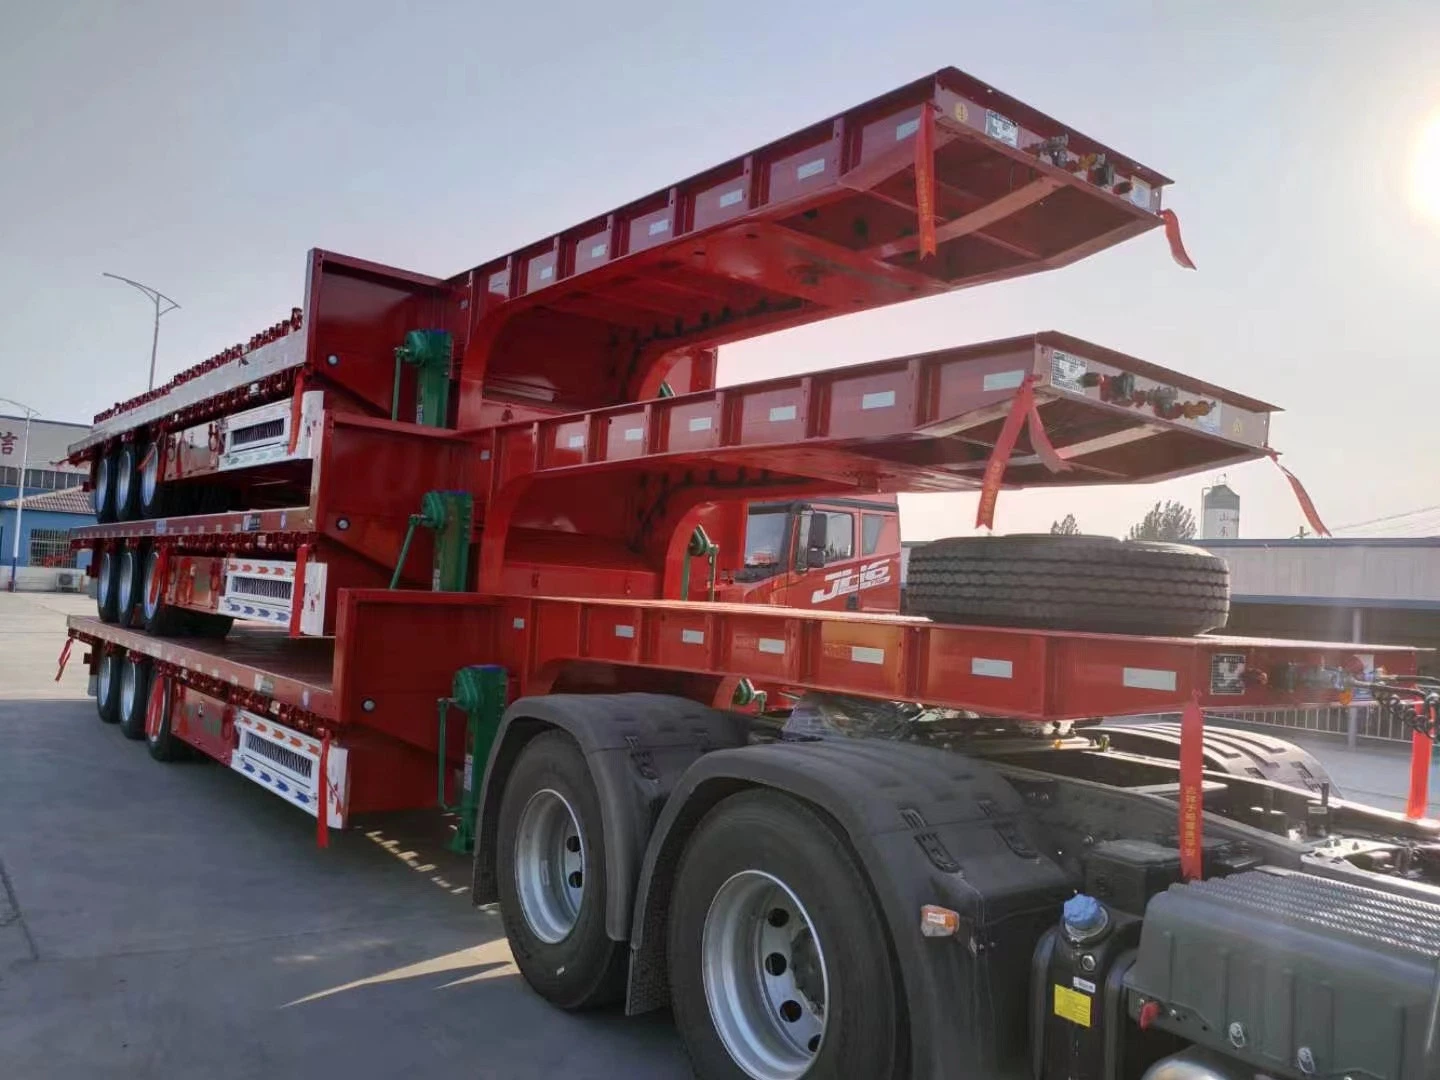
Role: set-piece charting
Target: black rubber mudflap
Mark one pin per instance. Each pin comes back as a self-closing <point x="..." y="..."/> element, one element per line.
<point x="1069" y="583"/>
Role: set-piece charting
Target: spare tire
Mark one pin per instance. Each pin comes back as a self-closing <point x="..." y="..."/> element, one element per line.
<point x="1069" y="583"/>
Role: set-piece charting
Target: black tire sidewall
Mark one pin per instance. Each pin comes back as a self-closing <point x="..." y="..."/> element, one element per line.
<point x="126" y="459"/>
<point x="580" y="971"/>
<point x="132" y="721"/>
<point x="158" y="506"/>
<point x="762" y="830"/>
<point x="105" y="512"/>
<point x="131" y="564"/>
<point x="163" y="745"/>
<point x="108" y="704"/>
<point x="107" y="605"/>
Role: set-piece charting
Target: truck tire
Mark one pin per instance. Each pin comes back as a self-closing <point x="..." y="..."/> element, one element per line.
<point x="102" y="488"/>
<point x="1237" y="751"/>
<point x="163" y="744"/>
<point x="107" y="687"/>
<point x="550" y="869"/>
<point x="160" y="619"/>
<point x="745" y="1003"/>
<point x="129" y="584"/>
<point x="1069" y="583"/>
<point x="135" y="678"/>
<point x="205" y="624"/>
<point x="155" y="494"/>
<point x="127" y="482"/>
<point x="107" y="586"/>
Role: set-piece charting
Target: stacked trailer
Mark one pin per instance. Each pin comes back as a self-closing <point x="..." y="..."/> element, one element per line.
<point x="436" y="539"/>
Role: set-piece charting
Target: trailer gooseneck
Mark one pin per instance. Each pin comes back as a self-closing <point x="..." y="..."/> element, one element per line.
<point x="473" y="540"/>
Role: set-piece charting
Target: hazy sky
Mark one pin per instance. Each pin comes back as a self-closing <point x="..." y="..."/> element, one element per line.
<point x="205" y="151"/>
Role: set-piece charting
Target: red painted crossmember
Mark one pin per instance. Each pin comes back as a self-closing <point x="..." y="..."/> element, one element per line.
<point x="297" y="590"/>
<point x="925" y="179"/>
<point x="1023" y="410"/>
<point x="1192" y="790"/>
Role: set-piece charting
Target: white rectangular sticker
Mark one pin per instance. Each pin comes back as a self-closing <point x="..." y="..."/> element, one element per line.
<point x="1082" y="984"/>
<point x="782" y="412"/>
<point x="657" y="227"/>
<point x="1140" y="678"/>
<point x="1066" y="371"/>
<point x="863" y="655"/>
<point x="1002" y="128"/>
<point x="909" y="127"/>
<point x="634" y="434"/>
<point x="1003" y="380"/>
<point x="518" y="624"/>
<point x="576" y="442"/>
<point x="992" y="669"/>
<point x="771" y="645"/>
<point x="597" y="251"/>
<point x="881" y="399"/>
<point x="730" y="198"/>
<point x="700" y="423"/>
<point x="622" y="630"/>
<point x="692" y="637"/>
<point x="810" y="168"/>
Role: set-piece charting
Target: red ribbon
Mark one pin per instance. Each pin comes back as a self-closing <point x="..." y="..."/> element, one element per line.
<point x="925" y="179"/>
<point x="1417" y="802"/>
<point x="1172" y="237"/>
<point x="297" y="591"/>
<point x="64" y="657"/>
<point x="1192" y="790"/>
<point x="296" y="400"/>
<point x="1024" y="410"/>
<point x="1307" y="506"/>
<point x="322" y="811"/>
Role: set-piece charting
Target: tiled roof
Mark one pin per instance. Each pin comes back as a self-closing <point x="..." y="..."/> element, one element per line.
<point x="75" y="500"/>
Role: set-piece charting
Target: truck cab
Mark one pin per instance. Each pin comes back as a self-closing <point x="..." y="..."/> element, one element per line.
<point x="839" y="554"/>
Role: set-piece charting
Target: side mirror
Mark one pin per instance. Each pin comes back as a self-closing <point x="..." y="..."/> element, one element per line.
<point x="815" y="540"/>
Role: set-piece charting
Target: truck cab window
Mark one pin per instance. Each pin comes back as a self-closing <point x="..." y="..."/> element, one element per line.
<point x="766" y="543"/>
<point x="871" y="527"/>
<point x="839" y="537"/>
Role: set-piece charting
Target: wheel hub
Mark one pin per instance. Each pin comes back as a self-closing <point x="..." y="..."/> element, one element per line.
<point x="549" y="866"/>
<point x="150" y="476"/>
<point x="149" y="597"/>
<point x="122" y="481"/>
<point x="128" y="689"/>
<point x="106" y="582"/>
<point x="765" y="978"/>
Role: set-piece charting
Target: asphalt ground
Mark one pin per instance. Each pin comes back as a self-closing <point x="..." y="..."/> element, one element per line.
<point x="178" y="921"/>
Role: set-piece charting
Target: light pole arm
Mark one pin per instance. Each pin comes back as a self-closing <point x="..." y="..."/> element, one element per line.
<point x="156" y="297"/>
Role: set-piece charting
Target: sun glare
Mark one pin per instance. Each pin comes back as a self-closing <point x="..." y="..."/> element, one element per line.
<point x="1425" y="170"/>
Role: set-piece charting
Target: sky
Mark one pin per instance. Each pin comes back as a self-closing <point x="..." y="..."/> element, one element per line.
<point x="205" y="151"/>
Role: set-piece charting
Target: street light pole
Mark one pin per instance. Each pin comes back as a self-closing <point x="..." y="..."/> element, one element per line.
<point x="155" y="296"/>
<point x="20" y="488"/>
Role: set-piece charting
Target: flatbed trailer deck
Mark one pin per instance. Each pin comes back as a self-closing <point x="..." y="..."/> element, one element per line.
<point x="974" y="880"/>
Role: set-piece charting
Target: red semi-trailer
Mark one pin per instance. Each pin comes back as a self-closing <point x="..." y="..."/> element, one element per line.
<point x="495" y="540"/>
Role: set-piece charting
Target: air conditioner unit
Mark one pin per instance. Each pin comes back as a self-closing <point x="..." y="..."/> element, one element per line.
<point x="68" y="581"/>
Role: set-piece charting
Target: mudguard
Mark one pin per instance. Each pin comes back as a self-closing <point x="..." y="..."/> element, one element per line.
<point x="637" y="747"/>
<point x="1237" y="751"/>
<point x="928" y="826"/>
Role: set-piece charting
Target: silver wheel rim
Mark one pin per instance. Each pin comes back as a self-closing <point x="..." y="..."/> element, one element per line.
<point x="102" y="483"/>
<point x="150" y="596"/>
<point x="150" y="475"/>
<point x="549" y="866"/>
<point x="107" y="673"/>
<point x="765" y="978"/>
<point x="127" y="584"/>
<point x="123" y="467"/>
<point x="105" y="584"/>
<point x="129" y="687"/>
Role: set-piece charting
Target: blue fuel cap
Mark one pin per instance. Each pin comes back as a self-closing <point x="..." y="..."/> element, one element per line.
<point x="1084" y="915"/>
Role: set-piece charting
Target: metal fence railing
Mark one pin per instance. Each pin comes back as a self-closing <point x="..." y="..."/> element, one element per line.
<point x="1352" y="722"/>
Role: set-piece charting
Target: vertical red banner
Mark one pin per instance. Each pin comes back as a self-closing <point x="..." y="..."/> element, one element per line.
<point x="925" y="179"/>
<point x="1000" y="455"/>
<point x="1417" y="805"/>
<point x="1307" y="505"/>
<point x="322" y="793"/>
<point x="1192" y="790"/>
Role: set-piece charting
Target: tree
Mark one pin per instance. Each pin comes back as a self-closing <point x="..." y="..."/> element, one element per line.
<point x="1167" y="521"/>
<point x="1066" y="526"/>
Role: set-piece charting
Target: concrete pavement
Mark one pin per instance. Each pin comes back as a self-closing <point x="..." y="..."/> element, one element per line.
<point x="175" y="920"/>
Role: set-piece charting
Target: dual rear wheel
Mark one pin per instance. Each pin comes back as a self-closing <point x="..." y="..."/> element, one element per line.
<point x="127" y="484"/>
<point x="779" y="964"/>
<point x="126" y="694"/>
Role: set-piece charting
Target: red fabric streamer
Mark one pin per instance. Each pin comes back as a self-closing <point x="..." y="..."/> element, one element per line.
<point x="1172" y="237"/>
<point x="64" y="657"/>
<point x="1023" y="410"/>
<point x="1417" y="803"/>
<point x="296" y="400"/>
<point x="322" y="811"/>
<point x="297" y="591"/>
<point x="1307" y="506"/>
<point x="925" y="179"/>
<point x="1192" y="791"/>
